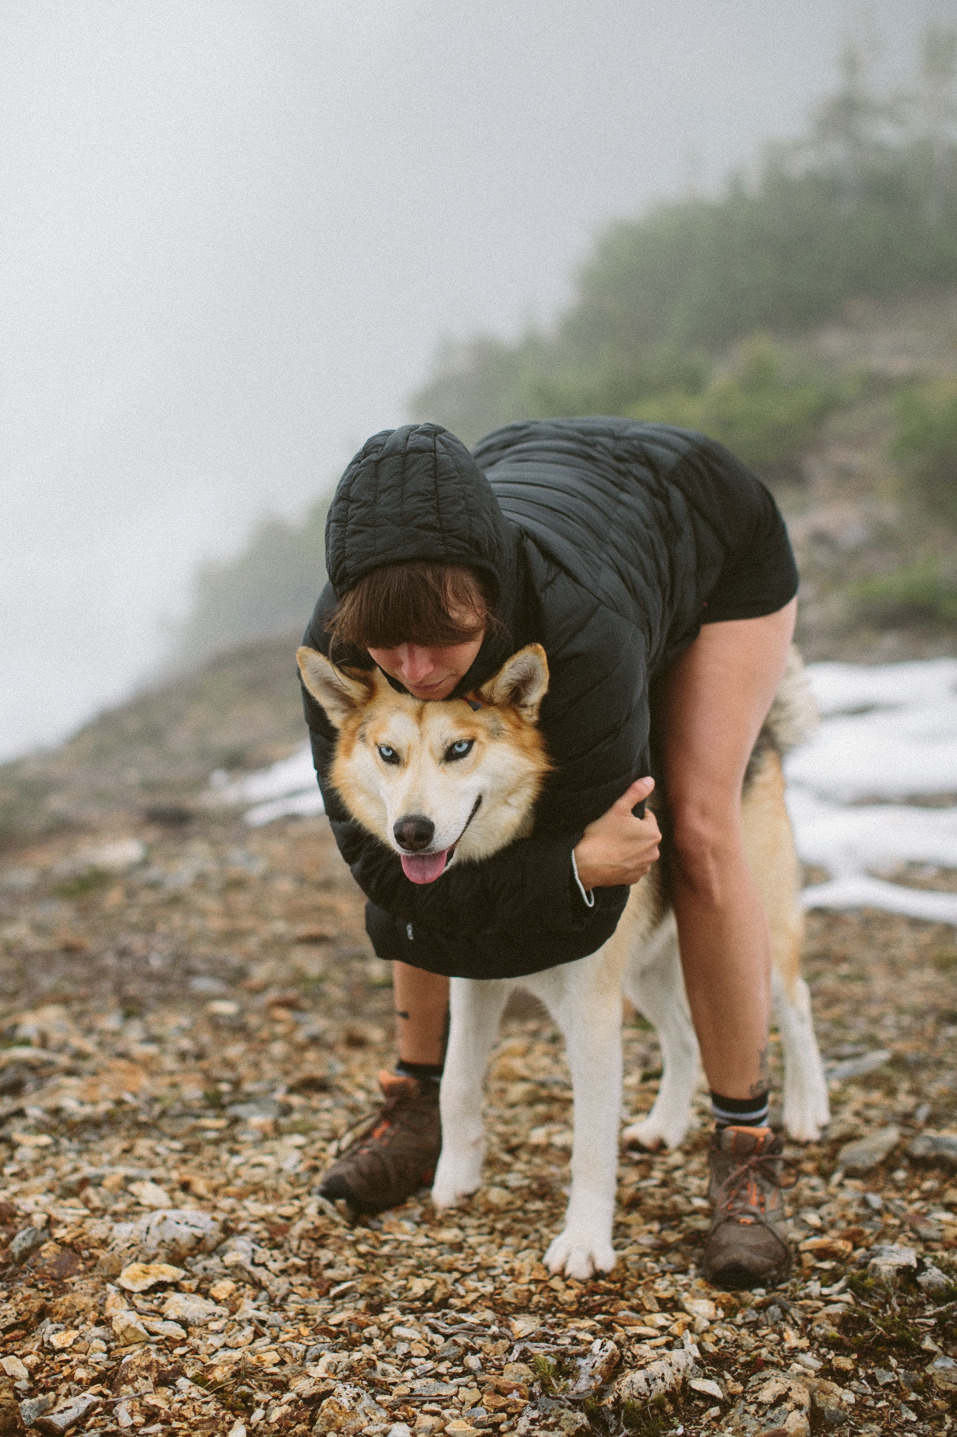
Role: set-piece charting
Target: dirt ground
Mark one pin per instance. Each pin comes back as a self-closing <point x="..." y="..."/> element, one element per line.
<point x="191" y="1014"/>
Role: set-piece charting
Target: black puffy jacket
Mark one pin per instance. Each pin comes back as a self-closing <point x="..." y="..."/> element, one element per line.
<point x="607" y="541"/>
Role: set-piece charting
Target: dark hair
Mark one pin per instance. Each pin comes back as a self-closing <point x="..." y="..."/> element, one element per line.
<point x="418" y="602"/>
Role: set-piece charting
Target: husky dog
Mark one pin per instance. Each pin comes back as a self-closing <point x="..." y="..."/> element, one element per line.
<point x="454" y="781"/>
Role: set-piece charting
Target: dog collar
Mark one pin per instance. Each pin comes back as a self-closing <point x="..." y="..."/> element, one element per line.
<point x="473" y="704"/>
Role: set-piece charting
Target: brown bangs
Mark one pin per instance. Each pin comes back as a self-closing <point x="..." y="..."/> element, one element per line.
<point x="434" y="605"/>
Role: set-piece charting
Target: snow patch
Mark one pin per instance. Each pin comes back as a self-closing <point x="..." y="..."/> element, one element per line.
<point x="286" y="788"/>
<point x="887" y="732"/>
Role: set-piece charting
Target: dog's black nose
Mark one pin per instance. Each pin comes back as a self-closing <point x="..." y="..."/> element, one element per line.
<point x="414" y="832"/>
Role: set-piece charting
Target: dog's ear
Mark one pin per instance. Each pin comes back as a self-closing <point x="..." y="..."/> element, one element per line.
<point x="521" y="682"/>
<point x="337" y="692"/>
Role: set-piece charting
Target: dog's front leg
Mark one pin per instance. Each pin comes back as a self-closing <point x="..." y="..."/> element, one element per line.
<point x="590" y="1018"/>
<point x="475" y="1010"/>
<point x="654" y="984"/>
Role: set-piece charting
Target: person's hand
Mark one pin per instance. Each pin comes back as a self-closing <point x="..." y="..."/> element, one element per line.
<point x="617" y="847"/>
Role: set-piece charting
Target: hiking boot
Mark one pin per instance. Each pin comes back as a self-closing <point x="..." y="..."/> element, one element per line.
<point x="395" y="1154"/>
<point x="748" y="1242"/>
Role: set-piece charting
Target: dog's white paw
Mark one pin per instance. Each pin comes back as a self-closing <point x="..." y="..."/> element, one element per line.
<point x="650" y="1133"/>
<point x="803" y="1121"/>
<point x="801" y="1132"/>
<point x="580" y="1255"/>
<point x="456" y="1177"/>
<point x="642" y="1135"/>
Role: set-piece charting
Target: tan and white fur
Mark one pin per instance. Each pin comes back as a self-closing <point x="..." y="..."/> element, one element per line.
<point x="459" y="782"/>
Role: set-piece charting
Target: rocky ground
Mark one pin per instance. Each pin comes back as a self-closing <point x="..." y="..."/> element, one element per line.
<point x="191" y="1014"/>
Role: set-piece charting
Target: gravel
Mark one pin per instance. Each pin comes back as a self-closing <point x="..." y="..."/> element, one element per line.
<point x="180" y="1054"/>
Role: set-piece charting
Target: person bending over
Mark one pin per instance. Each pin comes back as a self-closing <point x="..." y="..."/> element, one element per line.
<point x="656" y="572"/>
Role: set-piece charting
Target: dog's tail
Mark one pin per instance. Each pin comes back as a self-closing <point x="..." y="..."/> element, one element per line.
<point x="793" y="715"/>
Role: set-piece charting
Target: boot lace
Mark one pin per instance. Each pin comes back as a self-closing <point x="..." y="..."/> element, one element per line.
<point x="743" y="1193"/>
<point x="369" y="1129"/>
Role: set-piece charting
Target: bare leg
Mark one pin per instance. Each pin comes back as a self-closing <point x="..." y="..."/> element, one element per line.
<point x="421" y="1009"/>
<point x="714" y="702"/>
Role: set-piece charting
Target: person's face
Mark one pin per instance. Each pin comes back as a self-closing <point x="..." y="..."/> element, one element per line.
<point x="428" y="673"/>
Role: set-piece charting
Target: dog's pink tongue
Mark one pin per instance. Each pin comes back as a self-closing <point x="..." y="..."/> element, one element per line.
<point x="424" y="867"/>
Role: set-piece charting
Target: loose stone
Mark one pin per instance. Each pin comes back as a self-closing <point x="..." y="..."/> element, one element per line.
<point x="866" y="1153"/>
<point x="891" y="1261"/>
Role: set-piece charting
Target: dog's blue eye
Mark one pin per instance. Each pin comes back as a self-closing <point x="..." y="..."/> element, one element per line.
<point x="387" y="754"/>
<point x="460" y="749"/>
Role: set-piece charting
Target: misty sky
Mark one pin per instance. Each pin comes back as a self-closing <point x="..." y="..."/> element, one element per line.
<point x="234" y="232"/>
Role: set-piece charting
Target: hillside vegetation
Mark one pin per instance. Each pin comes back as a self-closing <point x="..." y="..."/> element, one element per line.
<point x="805" y="317"/>
<point x="269" y="588"/>
<point x="861" y="207"/>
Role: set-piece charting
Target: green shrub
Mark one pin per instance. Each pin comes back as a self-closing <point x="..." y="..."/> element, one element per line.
<point x="925" y="442"/>
<point x="80" y="884"/>
<point x="924" y="592"/>
<point x="482" y="382"/>
<point x="267" y="589"/>
<point x="762" y="414"/>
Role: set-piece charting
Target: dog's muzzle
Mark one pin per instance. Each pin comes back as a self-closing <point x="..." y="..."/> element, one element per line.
<point x="414" y="833"/>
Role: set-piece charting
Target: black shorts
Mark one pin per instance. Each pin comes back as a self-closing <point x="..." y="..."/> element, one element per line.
<point x="757" y="579"/>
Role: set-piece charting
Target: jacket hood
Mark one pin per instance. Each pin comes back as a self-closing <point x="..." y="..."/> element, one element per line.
<point x="414" y="493"/>
<point x="417" y="493"/>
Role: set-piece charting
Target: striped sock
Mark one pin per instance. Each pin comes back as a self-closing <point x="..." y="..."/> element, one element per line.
<point x="420" y="1070"/>
<point x="740" y="1112"/>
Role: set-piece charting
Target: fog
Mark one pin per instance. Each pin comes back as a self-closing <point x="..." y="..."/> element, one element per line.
<point x="234" y="233"/>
